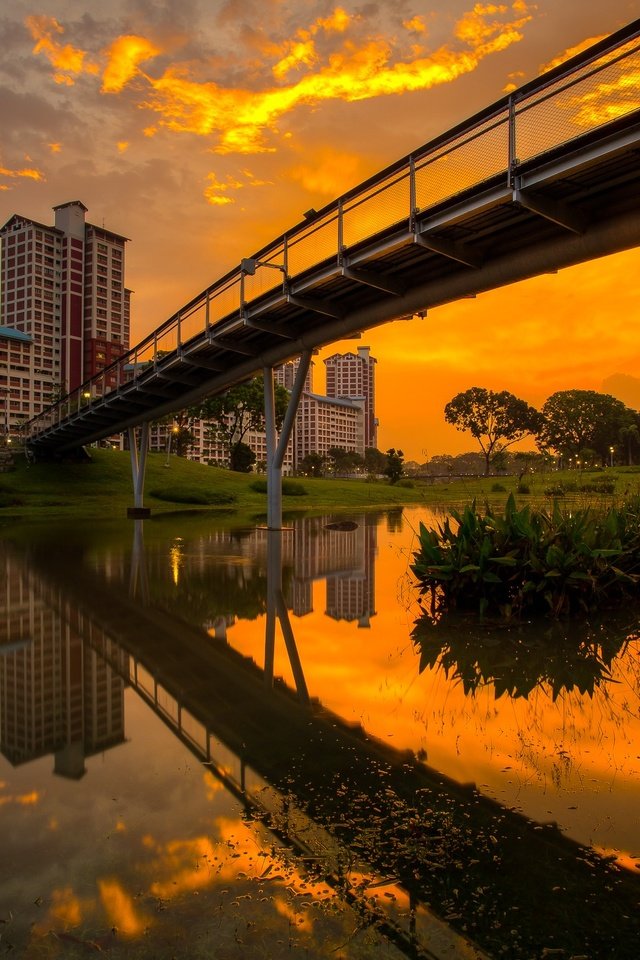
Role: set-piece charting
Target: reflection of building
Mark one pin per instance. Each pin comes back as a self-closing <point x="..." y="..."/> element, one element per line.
<point x="56" y="694"/>
<point x="352" y="596"/>
<point x="344" y="558"/>
<point x="63" y="289"/>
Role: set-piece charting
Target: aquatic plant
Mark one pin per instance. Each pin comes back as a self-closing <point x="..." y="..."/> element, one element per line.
<point x="529" y="560"/>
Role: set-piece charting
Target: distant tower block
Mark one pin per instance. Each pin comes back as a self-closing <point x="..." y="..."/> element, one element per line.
<point x="353" y="376"/>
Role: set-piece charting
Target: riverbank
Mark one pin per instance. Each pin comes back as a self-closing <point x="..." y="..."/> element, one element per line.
<point x="101" y="488"/>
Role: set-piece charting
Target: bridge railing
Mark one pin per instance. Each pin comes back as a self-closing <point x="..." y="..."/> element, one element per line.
<point x="597" y="88"/>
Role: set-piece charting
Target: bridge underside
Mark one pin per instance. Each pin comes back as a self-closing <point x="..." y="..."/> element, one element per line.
<point x="563" y="209"/>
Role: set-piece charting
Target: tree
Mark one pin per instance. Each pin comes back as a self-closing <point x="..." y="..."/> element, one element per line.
<point x="313" y="464"/>
<point x="629" y="437"/>
<point x="495" y="420"/>
<point x="575" y="420"/>
<point x="231" y="415"/>
<point x="395" y="465"/>
<point x="242" y="458"/>
<point x="375" y="461"/>
<point x="344" y="461"/>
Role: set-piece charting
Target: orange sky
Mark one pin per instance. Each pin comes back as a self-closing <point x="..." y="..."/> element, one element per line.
<point x="202" y="134"/>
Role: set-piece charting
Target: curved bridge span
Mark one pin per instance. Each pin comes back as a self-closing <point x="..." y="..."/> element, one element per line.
<point x="545" y="178"/>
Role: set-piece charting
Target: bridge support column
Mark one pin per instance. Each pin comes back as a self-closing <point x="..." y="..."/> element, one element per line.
<point x="138" y="452"/>
<point x="276" y="447"/>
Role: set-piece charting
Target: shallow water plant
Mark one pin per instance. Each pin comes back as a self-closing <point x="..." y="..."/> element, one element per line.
<point x="529" y="560"/>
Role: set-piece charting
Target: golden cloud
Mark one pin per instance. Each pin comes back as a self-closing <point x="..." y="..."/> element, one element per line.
<point x="29" y="173"/>
<point x="216" y="193"/>
<point x="123" y="59"/>
<point x="302" y="53"/>
<point x="67" y="60"/>
<point x="415" y="25"/>
<point x="570" y="52"/>
<point x="357" y="68"/>
<point x="328" y="171"/>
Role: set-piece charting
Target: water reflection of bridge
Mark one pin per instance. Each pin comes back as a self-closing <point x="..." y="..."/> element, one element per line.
<point x="348" y="802"/>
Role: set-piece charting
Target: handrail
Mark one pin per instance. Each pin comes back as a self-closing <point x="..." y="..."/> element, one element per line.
<point x="300" y="242"/>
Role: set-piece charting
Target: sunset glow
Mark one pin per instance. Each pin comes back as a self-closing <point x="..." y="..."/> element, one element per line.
<point x="203" y="139"/>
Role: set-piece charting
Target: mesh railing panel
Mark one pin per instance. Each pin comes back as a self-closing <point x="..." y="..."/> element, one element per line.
<point x="379" y="208"/>
<point x="265" y="278"/>
<point x="464" y="163"/>
<point x="192" y="323"/>
<point x="166" y="342"/>
<point x="224" y="301"/>
<point x="592" y="96"/>
<point x="317" y="243"/>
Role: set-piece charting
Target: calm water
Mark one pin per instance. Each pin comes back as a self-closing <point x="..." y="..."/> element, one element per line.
<point x="226" y="743"/>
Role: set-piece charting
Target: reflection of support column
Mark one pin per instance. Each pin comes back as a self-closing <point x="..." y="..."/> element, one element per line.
<point x="138" y="465"/>
<point x="138" y="575"/>
<point x="277" y="610"/>
<point x="276" y="449"/>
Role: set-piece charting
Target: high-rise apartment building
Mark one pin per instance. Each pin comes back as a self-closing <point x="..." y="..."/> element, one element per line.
<point x="352" y="376"/>
<point x="63" y="289"/>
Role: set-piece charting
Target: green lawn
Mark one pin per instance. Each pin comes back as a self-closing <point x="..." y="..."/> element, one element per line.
<point x="102" y="489"/>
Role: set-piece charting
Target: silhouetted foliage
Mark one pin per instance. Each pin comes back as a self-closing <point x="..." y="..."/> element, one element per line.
<point x="242" y="458"/>
<point x="578" y="420"/>
<point x="395" y="465"/>
<point x="495" y="420"/>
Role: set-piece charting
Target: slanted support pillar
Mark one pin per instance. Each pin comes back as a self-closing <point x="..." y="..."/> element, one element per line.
<point x="276" y="447"/>
<point x="138" y="452"/>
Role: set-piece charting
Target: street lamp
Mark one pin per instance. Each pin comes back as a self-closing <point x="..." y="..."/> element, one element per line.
<point x="174" y="430"/>
<point x="611" y="455"/>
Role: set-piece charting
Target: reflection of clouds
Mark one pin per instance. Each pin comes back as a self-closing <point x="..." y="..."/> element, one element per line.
<point x="22" y="799"/>
<point x="186" y="866"/>
<point x="301" y="919"/>
<point x="212" y="785"/>
<point x="120" y="909"/>
<point x="66" y="907"/>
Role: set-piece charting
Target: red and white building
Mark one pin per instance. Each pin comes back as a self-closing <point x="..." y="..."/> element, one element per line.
<point x="63" y="289"/>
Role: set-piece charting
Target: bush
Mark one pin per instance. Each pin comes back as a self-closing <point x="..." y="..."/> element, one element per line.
<point x="498" y="488"/>
<point x="530" y="561"/>
<point x="290" y="488"/>
<point x="598" y="486"/>
<point x="601" y="485"/>
<point x="523" y="488"/>
<point x="178" y="494"/>
<point x="406" y="483"/>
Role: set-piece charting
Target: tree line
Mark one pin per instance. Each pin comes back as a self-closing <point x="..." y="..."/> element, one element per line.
<point x="574" y="425"/>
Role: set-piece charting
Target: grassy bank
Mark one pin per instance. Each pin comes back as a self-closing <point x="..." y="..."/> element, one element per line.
<point x="102" y="489"/>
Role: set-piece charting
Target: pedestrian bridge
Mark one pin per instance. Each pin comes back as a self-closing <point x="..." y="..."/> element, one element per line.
<point x="545" y="178"/>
